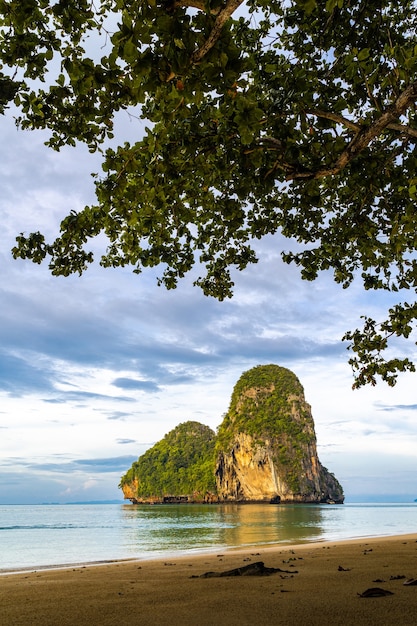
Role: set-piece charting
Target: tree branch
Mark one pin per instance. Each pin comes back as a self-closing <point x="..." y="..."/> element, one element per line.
<point x="364" y="136"/>
<point x="339" y="119"/>
<point x="220" y="21"/>
<point x="334" y="117"/>
<point x="405" y="130"/>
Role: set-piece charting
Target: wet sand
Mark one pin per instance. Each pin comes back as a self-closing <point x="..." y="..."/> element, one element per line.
<point x="320" y="585"/>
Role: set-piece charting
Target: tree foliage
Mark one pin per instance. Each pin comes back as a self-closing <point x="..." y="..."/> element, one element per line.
<point x="268" y="404"/>
<point x="182" y="463"/>
<point x="295" y="117"/>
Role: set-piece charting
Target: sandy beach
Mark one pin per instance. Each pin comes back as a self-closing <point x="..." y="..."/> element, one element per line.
<point x="318" y="584"/>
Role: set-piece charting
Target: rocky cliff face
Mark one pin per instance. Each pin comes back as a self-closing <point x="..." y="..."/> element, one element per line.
<point x="265" y="450"/>
<point x="267" y="443"/>
<point x="130" y="490"/>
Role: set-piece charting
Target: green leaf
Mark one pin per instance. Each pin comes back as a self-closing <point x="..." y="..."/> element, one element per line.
<point x="363" y="54"/>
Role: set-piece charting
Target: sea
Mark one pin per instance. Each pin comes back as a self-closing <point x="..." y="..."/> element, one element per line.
<point x="53" y="535"/>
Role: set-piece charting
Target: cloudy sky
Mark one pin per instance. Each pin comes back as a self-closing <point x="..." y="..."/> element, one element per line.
<point x="94" y="370"/>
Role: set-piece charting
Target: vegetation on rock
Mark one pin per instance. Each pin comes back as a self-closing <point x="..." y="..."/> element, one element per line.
<point x="268" y="405"/>
<point x="181" y="463"/>
<point x="267" y="409"/>
<point x="260" y="406"/>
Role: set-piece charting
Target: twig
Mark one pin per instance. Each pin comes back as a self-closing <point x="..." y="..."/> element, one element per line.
<point x="220" y="21"/>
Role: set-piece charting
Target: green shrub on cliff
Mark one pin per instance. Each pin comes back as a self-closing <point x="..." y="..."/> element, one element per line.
<point x="261" y="405"/>
<point x="180" y="464"/>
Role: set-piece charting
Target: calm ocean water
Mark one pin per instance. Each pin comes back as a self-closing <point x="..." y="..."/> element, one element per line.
<point x="44" y="535"/>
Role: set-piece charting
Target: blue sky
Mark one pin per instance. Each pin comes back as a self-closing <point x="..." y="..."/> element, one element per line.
<point x="93" y="370"/>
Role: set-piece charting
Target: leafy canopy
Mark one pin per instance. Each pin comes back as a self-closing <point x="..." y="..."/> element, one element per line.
<point x="295" y="117"/>
<point x="182" y="463"/>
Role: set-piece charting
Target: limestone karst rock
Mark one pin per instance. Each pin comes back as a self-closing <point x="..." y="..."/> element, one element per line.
<point x="178" y="468"/>
<point x="265" y="450"/>
<point x="267" y="444"/>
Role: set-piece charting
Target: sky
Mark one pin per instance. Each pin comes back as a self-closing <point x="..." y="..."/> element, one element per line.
<point x="95" y="369"/>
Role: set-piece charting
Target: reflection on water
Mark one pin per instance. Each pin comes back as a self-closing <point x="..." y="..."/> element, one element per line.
<point x="50" y="534"/>
<point x="186" y="527"/>
<point x="257" y="524"/>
